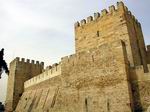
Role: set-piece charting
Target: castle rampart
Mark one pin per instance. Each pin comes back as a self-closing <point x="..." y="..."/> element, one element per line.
<point x="49" y="72"/>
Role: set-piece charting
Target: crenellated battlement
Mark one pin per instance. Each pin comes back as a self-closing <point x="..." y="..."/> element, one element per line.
<point x="104" y="13"/>
<point x="72" y="59"/>
<point x="134" y="18"/>
<point x="27" y="61"/>
<point x="69" y="58"/>
<point x="49" y="72"/>
<point x="148" y="48"/>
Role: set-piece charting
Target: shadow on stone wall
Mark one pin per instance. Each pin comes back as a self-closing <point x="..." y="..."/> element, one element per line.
<point x="136" y="95"/>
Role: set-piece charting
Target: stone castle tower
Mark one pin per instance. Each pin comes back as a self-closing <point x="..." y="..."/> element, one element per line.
<point x="108" y="73"/>
<point x="20" y="71"/>
<point x="111" y="26"/>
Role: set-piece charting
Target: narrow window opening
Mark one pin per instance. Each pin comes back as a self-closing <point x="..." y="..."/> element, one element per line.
<point x="92" y="58"/>
<point x="108" y="105"/>
<point x="86" y="105"/>
<point x="98" y="34"/>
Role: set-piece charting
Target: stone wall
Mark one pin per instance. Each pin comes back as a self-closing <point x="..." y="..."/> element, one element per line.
<point x="10" y="86"/>
<point x="92" y="81"/>
<point x="39" y="97"/>
<point x="97" y="80"/>
<point x="140" y="87"/>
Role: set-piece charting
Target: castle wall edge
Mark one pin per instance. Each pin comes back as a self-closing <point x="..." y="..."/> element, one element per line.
<point x="140" y="82"/>
<point x="148" y="54"/>
<point x="137" y="74"/>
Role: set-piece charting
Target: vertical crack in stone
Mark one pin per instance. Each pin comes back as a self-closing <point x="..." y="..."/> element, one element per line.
<point x="46" y="99"/>
<point x="54" y="97"/>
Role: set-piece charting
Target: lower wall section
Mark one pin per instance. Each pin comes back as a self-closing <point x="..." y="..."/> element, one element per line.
<point x="40" y="97"/>
<point x="93" y="99"/>
<point x="89" y="99"/>
<point x="141" y="93"/>
<point x="36" y="100"/>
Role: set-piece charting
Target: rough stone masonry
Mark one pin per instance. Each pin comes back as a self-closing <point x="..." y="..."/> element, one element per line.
<point x="110" y="71"/>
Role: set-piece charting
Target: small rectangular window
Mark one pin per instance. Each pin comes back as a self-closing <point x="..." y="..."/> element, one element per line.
<point x="98" y="33"/>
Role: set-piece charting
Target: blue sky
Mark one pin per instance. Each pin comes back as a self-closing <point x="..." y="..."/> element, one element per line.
<point x="44" y="29"/>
